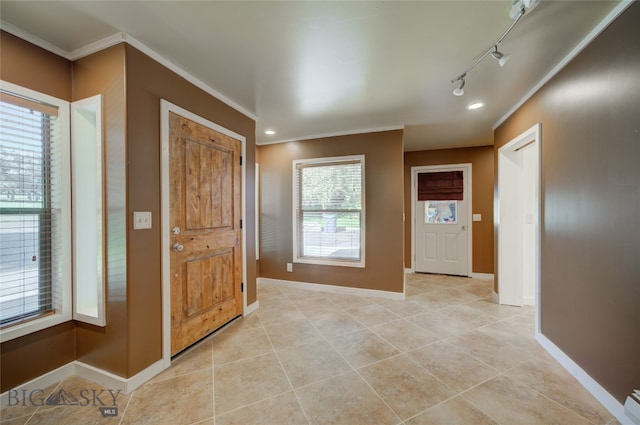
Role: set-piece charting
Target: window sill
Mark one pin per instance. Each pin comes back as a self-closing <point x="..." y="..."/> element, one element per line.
<point x="26" y="328"/>
<point x="329" y="262"/>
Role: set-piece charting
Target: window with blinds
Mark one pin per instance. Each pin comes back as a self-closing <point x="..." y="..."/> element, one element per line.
<point x="329" y="211"/>
<point x="34" y="210"/>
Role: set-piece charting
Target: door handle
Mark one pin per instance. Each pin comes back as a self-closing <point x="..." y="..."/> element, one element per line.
<point x="464" y="227"/>
<point x="177" y="247"/>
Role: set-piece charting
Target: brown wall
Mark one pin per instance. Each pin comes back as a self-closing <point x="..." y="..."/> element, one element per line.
<point x="481" y="159"/>
<point x="590" y="245"/>
<point x="28" y="357"/>
<point x="384" y="208"/>
<point x="104" y="73"/>
<point x="147" y="83"/>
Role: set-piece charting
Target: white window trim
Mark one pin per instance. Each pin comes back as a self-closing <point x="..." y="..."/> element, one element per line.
<point x="318" y="261"/>
<point x="61" y="296"/>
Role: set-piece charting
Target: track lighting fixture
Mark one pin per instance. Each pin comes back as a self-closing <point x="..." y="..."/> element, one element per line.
<point x="459" y="91"/>
<point x="499" y="56"/>
<point x="523" y="5"/>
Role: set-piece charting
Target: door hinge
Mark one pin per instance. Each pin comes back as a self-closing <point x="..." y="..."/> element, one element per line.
<point x="241" y="224"/>
<point x="242" y="287"/>
<point x="240" y="159"/>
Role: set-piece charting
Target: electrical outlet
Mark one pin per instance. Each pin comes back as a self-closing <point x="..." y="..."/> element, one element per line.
<point x="289" y="267"/>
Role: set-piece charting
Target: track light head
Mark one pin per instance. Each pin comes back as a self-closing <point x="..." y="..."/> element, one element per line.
<point x="500" y="57"/>
<point x="459" y="91"/>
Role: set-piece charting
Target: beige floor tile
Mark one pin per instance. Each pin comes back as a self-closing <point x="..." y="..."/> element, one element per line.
<point x="490" y="350"/>
<point x="184" y="399"/>
<point x="510" y="403"/>
<point x="402" y="308"/>
<point x="283" y="409"/>
<point x="310" y="363"/>
<point x="335" y="324"/>
<point x="237" y="345"/>
<point x="516" y="332"/>
<point x="371" y="315"/>
<point x="467" y="315"/>
<point x="441" y="325"/>
<point x="556" y="383"/>
<point x="452" y="366"/>
<point x="348" y="301"/>
<point x="434" y="300"/>
<point x="456" y="411"/>
<point x="279" y="313"/>
<point x="406" y="387"/>
<point x="490" y="308"/>
<point x="459" y="293"/>
<point x="248" y="381"/>
<point x="404" y="335"/>
<point x="193" y="360"/>
<point x="363" y="347"/>
<point x="290" y="334"/>
<point x="344" y="400"/>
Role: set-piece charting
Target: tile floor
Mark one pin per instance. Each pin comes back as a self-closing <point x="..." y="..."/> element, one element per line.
<point x="446" y="355"/>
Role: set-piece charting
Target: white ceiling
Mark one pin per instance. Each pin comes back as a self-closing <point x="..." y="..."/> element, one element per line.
<point x="311" y="68"/>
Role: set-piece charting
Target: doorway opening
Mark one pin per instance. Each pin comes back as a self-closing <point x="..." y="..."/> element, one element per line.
<point x="519" y="217"/>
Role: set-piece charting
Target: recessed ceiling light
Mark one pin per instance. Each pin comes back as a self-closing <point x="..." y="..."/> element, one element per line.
<point x="269" y="132"/>
<point x="475" y="105"/>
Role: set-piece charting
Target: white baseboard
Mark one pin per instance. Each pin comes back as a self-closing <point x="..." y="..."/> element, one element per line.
<point x="483" y="276"/>
<point x="332" y="288"/>
<point x="608" y="401"/>
<point x="41" y="382"/>
<point x="409" y="271"/>
<point x="251" y="308"/>
<point x="90" y="373"/>
<point x="115" y="382"/>
<point x="529" y="301"/>
<point x="495" y="297"/>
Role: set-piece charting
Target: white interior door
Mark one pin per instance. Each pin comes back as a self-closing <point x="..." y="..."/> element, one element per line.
<point x="441" y="231"/>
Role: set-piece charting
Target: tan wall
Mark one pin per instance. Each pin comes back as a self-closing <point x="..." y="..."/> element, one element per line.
<point x="28" y="357"/>
<point x="147" y="83"/>
<point x="104" y="73"/>
<point x="481" y="160"/>
<point x="590" y="285"/>
<point x="384" y="208"/>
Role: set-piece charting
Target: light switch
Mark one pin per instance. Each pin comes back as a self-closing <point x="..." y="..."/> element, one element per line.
<point x="477" y="217"/>
<point x="141" y="220"/>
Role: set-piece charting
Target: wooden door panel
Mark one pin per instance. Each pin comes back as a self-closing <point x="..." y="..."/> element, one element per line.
<point x="208" y="171"/>
<point x="206" y="275"/>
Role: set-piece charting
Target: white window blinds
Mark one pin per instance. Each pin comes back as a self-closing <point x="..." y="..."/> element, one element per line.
<point x="31" y="220"/>
<point x="329" y="211"/>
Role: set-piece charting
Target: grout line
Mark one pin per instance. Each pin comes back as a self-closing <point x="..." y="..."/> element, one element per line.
<point x="285" y="371"/>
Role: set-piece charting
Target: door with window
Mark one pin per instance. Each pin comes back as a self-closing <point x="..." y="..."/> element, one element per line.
<point x="441" y="220"/>
<point x="204" y="219"/>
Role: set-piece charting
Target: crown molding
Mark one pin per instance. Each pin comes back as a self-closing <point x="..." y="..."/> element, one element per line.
<point x="335" y="134"/>
<point x="117" y="38"/>
<point x="27" y="36"/>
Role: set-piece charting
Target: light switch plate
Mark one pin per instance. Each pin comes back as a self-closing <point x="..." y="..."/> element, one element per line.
<point x="477" y="217"/>
<point x="141" y="220"/>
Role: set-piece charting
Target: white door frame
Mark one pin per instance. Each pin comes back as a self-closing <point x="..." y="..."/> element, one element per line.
<point x="466" y="168"/>
<point x="509" y="236"/>
<point x="165" y="108"/>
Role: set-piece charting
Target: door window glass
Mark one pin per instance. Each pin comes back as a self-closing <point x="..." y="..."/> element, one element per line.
<point x="441" y="212"/>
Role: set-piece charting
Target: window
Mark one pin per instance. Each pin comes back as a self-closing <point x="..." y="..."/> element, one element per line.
<point x="329" y="211"/>
<point x="35" y="266"/>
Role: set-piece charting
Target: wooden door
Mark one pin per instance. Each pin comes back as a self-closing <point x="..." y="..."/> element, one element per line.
<point x="204" y="219"/>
